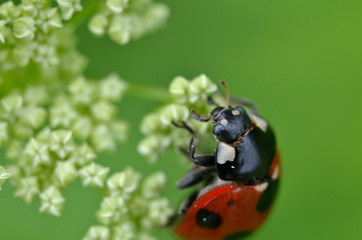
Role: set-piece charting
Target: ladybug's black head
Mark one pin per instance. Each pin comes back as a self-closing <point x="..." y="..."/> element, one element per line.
<point x="229" y="123"/>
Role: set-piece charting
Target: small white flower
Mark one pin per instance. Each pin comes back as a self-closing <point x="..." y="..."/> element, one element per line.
<point x="8" y="11"/>
<point x="83" y="155"/>
<point x="93" y="175"/>
<point x="62" y="115"/>
<point x="174" y="112"/>
<point x="152" y="145"/>
<point x="138" y="205"/>
<point x="12" y="103"/>
<point x="37" y="152"/>
<point x="124" y="231"/>
<point x="112" y="87"/>
<point x="113" y="209"/>
<point x="153" y="185"/>
<point x="151" y="123"/>
<point x="82" y="127"/>
<point x="98" y="23"/>
<point x="200" y="87"/>
<point x="36" y="95"/>
<point x="44" y="135"/>
<point x="27" y="189"/>
<point x="3" y="175"/>
<point x="120" y="29"/>
<point x="97" y="233"/>
<point x="22" y="131"/>
<point x="123" y="183"/>
<point x="64" y="173"/>
<point x="61" y="143"/>
<point x="82" y="91"/>
<point x="101" y="138"/>
<point x="52" y="201"/>
<point x="159" y="212"/>
<point x="33" y="116"/>
<point x="68" y="7"/>
<point x="179" y="89"/>
<point x="117" y="6"/>
<point x="103" y="111"/>
<point x="24" y="27"/>
<point x="49" y="19"/>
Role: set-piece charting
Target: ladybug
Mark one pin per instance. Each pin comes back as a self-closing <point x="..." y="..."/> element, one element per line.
<point x="240" y="180"/>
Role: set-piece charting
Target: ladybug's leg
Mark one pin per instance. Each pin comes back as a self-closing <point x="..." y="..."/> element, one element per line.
<point x="194" y="176"/>
<point x="205" y="160"/>
<point x="185" y="206"/>
<point x="246" y="103"/>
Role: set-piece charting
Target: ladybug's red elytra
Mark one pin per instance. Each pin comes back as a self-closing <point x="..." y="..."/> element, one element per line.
<point x="240" y="179"/>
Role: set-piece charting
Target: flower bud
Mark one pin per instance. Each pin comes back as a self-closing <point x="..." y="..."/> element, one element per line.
<point x="24" y="27"/>
<point x="3" y="175"/>
<point x="174" y="113"/>
<point x="98" y="23"/>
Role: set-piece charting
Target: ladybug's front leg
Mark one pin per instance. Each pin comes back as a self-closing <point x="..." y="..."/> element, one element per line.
<point x="204" y="160"/>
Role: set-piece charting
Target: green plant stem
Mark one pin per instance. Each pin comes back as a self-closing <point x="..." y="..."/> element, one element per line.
<point x="148" y="92"/>
<point x="87" y="11"/>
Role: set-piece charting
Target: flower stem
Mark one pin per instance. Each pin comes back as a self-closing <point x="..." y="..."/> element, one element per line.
<point x="87" y="12"/>
<point x="148" y="92"/>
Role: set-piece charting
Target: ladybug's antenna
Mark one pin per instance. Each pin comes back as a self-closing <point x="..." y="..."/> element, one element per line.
<point x="227" y="93"/>
<point x="202" y="116"/>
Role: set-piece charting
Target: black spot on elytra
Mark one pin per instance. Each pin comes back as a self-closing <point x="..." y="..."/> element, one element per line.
<point x="231" y="202"/>
<point x="268" y="196"/>
<point x="208" y="219"/>
<point x="237" y="236"/>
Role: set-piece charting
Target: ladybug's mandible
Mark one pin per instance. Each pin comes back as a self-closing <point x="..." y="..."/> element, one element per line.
<point x="240" y="179"/>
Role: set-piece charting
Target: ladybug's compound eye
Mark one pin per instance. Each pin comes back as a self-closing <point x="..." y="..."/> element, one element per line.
<point x="208" y="219"/>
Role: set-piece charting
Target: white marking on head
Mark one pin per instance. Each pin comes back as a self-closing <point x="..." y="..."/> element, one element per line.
<point x="235" y="112"/>
<point x="224" y="122"/>
<point x="260" y="123"/>
<point x="275" y="173"/>
<point x="261" y="187"/>
<point x="225" y="153"/>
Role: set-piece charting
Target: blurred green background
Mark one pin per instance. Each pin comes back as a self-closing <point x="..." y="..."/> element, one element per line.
<point x="299" y="61"/>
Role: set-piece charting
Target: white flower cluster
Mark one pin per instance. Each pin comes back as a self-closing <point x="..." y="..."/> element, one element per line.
<point x="124" y="20"/>
<point x="160" y="133"/>
<point x="53" y="140"/>
<point x="54" y="121"/>
<point x="130" y="210"/>
<point x="32" y="34"/>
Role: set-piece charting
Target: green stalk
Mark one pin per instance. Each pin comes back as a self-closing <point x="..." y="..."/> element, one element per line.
<point x="148" y="92"/>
